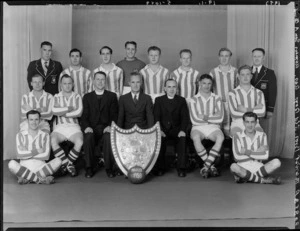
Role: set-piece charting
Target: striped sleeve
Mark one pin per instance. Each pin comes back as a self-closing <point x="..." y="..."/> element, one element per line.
<point x="121" y="79"/>
<point x="218" y="115"/>
<point x="56" y="109"/>
<point x="44" y="140"/>
<point x="194" y="114"/>
<point x="24" y="102"/>
<point x="237" y="146"/>
<point x="48" y="104"/>
<point x="261" y="155"/>
<point x="22" y="151"/>
<point x="77" y="105"/>
<point x="233" y="106"/>
<point x="89" y="82"/>
<point x="260" y="100"/>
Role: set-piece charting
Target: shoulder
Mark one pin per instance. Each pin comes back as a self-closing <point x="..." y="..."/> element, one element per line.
<point x="110" y="94"/>
<point x="34" y="62"/>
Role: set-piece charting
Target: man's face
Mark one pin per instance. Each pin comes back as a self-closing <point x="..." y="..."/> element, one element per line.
<point x="250" y="124"/>
<point x="170" y="88"/>
<point x="130" y="51"/>
<point x="75" y="58"/>
<point x="205" y="85"/>
<point x="224" y="58"/>
<point x="245" y="76"/>
<point x="185" y="59"/>
<point x="106" y="56"/>
<point x="33" y="121"/>
<point x="67" y="85"/>
<point x="258" y="58"/>
<point x="46" y="51"/>
<point x="135" y="83"/>
<point x="37" y="83"/>
<point x="99" y="82"/>
<point x="153" y="57"/>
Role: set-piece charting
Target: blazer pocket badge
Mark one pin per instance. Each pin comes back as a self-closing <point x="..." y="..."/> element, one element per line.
<point x="263" y="86"/>
<point x="53" y="79"/>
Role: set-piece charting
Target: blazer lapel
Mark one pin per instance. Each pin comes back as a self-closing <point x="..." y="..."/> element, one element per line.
<point x="51" y="68"/>
<point x="262" y="73"/>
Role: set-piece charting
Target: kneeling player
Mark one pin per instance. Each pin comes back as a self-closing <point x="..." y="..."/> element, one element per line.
<point x="33" y="146"/>
<point x="206" y="113"/>
<point x="250" y="148"/>
<point x="67" y="107"/>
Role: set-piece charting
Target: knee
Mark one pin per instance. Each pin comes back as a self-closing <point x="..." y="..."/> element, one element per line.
<point x="276" y="163"/>
<point x="234" y="167"/>
<point x="220" y="138"/>
<point x="13" y="166"/>
<point x="57" y="162"/>
<point x="195" y="137"/>
<point x="78" y="143"/>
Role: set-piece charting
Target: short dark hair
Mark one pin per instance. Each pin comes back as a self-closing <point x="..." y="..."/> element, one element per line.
<point x="249" y="114"/>
<point x="136" y="73"/>
<point x="204" y="76"/>
<point x="225" y="49"/>
<point x="170" y="79"/>
<point x="66" y="76"/>
<point x="244" y="67"/>
<point x="185" y="51"/>
<point x="259" y="49"/>
<point x="154" y="48"/>
<point x="131" y="42"/>
<point x="100" y="73"/>
<point x="37" y="75"/>
<point x="75" y="50"/>
<point x="33" y="112"/>
<point x="46" y="43"/>
<point x="106" y="47"/>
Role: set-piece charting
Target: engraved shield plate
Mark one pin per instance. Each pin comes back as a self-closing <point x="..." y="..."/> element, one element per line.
<point x="135" y="147"/>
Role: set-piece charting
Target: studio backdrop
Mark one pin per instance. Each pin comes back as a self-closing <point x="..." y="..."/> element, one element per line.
<point x="203" y="29"/>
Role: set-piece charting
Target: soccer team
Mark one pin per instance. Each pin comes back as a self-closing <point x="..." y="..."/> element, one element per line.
<point x="77" y="106"/>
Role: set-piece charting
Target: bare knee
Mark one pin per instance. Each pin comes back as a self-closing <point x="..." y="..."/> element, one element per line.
<point x="276" y="163"/>
<point x="234" y="168"/>
<point x="13" y="166"/>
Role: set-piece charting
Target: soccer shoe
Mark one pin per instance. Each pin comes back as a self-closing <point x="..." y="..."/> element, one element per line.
<point x="204" y="172"/>
<point x="46" y="180"/>
<point x="214" y="171"/>
<point x="23" y="181"/>
<point x="71" y="169"/>
<point x="238" y="179"/>
<point x="62" y="171"/>
<point x="271" y="180"/>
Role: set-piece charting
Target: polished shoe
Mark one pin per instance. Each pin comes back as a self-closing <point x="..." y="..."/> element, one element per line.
<point x="110" y="173"/>
<point x="89" y="173"/>
<point x="181" y="173"/>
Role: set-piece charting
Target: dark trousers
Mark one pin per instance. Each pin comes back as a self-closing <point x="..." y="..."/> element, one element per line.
<point x="91" y="140"/>
<point x="180" y="148"/>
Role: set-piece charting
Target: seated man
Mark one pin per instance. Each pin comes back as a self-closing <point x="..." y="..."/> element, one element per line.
<point x="250" y="148"/>
<point x="67" y="107"/>
<point x="100" y="108"/>
<point x="154" y="74"/>
<point x="135" y="107"/>
<point x="39" y="100"/>
<point x="206" y="113"/>
<point x="245" y="98"/>
<point x="33" y="149"/>
<point x="172" y="113"/>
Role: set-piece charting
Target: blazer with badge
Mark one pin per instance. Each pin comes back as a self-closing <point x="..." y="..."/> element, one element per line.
<point x="131" y="114"/>
<point x="175" y="116"/>
<point x="267" y="83"/>
<point x="51" y="77"/>
<point x="95" y="114"/>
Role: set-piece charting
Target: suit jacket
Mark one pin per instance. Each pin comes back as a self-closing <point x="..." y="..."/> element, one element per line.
<point x="131" y="114"/>
<point x="95" y="114"/>
<point x="267" y="83"/>
<point x="51" y="77"/>
<point x="171" y="116"/>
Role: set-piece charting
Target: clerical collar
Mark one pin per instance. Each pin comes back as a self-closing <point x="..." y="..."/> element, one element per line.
<point x="99" y="92"/>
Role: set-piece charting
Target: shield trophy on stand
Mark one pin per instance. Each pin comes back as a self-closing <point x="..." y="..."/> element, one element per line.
<point x="135" y="150"/>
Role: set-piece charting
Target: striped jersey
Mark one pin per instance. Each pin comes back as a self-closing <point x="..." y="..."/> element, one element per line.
<point x="82" y="80"/>
<point x="43" y="104"/>
<point x="224" y="81"/>
<point x="114" y="78"/>
<point x="60" y="107"/>
<point x="154" y="82"/>
<point x="211" y="107"/>
<point x="37" y="147"/>
<point x="241" y="140"/>
<point x="250" y="99"/>
<point x="186" y="81"/>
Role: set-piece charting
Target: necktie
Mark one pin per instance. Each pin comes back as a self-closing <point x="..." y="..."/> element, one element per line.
<point x="135" y="99"/>
<point x="46" y="67"/>
<point x="255" y="74"/>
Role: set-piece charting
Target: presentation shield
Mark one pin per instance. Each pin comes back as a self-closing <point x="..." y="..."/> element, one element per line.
<point x="135" y="150"/>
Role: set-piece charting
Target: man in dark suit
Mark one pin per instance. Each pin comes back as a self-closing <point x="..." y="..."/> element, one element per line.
<point x="100" y="108"/>
<point x="47" y="68"/>
<point x="264" y="79"/>
<point x="172" y="112"/>
<point x="135" y="107"/>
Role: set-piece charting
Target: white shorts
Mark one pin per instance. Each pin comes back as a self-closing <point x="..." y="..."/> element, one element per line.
<point x="67" y="130"/>
<point x="44" y="126"/>
<point x="206" y="129"/>
<point x="239" y="124"/>
<point x="252" y="165"/>
<point x="33" y="165"/>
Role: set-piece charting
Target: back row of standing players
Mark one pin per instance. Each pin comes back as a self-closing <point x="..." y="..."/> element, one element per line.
<point x="225" y="85"/>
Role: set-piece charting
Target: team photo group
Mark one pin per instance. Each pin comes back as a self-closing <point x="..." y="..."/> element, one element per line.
<point x="68" y="113"/>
